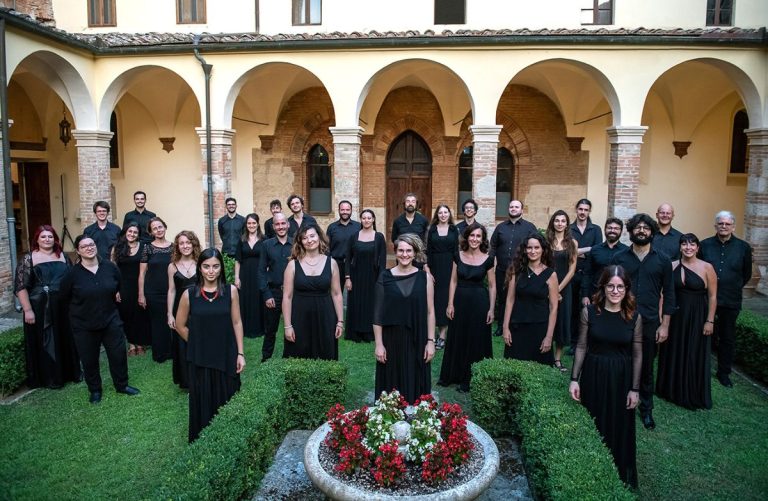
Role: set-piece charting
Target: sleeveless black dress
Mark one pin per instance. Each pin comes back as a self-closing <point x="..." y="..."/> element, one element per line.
<point x="562" y="335"/>
<point x="684" y="360"/>
<point x="530" y="316"/>
<point x="365" y="260"/>
<point x="251" y="305"/>
<point x="440" y="254"/>
<point x="313" y="316"/>
<point x="135" y="318"/>
<point x="156" y="294"/>
<point x="180" y="369"/>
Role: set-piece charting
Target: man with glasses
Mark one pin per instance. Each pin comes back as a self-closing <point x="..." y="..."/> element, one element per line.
<point x="732" y="259"/>
<point x="469" y="207"/>
<point x="650" y="272"/>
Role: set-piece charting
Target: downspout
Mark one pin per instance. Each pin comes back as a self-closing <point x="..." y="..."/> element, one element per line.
<point x="208" y="149"/>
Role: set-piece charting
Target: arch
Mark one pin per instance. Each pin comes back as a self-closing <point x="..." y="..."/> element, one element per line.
<point x="386" y="137"/>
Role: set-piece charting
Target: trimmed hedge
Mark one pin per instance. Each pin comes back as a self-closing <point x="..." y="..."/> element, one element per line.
<point x="751" y="353"/>
<point x="565" y="457"/>
<point x="13" y="371"/>
<point x="234" y="452"/>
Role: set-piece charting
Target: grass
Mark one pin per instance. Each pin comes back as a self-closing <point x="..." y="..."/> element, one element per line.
<point x="58" y="446"/>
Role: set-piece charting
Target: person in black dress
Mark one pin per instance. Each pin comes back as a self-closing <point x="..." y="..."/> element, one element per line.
<point x="51" y="357"/>
<point x="209" y="321"/>
<point x="366" y="259"/>
<point x="564" y="255"/>
<point x="127" y="256"/>
<point x="90" y="291"/>
<point x="442" y="245"/>
<point x="153" y="289"/>
<point x="404" y="323"/>
<point x="181" y="276"/>
<point x="683" y="373"/>
<point x="312" y="300"/>
<point x="247" y="277"/>
<point x="531" y="307"/>
<point x="470" y="309"/>
<point x="607" y="367"/>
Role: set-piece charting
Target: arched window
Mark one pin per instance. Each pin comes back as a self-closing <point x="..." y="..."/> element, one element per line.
<point x="739" y="143"/>
<point x="319" y="174"/>
<point x="114" y="152"/>
<point x="505" y="181"/>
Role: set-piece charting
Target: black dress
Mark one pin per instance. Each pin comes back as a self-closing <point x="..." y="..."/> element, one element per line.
<point x="212" y="356"/>
<point x="469" y="336"/>
<point x="49" y="346"/>
<point x="562" y="335"/>
<point x="135" y="318"/>
<point x="440" y="254"/>
<point x="684" y="360"/>
<point x="156" y="295"/>
<point x="401" y="310"/>
<point x="251" y="305"/>
<point x="530" y="316"/>
<point x="365" y="260"/>
<point x="180" y="368"/>
<point x="313" y="316"/>
<point x="610" y="351"/>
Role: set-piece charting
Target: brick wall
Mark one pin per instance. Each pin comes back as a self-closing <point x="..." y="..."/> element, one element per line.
<point x="756" y="209"/>
<point x="42" y="10"/>
<point x="6" y="281"/>
<point x="93" y="172"/>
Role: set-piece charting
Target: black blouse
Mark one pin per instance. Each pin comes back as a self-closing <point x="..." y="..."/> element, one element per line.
<point x="92" y="296"/>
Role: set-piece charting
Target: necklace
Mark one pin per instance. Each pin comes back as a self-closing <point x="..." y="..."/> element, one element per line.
<point x="306" y="260"/>
<point x="209" y="299"/>
<point x="531" y="271"/>
<point x="184" y="269"/>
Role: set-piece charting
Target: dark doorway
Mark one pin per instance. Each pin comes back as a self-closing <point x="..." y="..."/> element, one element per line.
<point x="409" y="169"/>
<point x="36" y="199"/>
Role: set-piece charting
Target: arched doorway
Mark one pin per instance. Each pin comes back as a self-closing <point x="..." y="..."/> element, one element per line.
<point x="409" y="169"/>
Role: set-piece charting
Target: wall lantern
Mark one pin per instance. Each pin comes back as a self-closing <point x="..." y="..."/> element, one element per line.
<point x="65" y="130"/>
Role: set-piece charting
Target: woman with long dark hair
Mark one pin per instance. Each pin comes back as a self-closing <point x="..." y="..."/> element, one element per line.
<point x="442" y="245"/>
<point x="127" y="256"/>
<point x="607" y="366"/>
<point x="247" y="257"/>
<point x="153" y="288"/>
<point x="564" y="255"/>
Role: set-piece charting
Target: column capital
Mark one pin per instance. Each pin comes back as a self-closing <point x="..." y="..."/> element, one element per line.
<point x="92" y="138"/>
<point x="626" y="134"/>
<point x="757" y="137"/>
<point x="221" y="137"/>
<point x="485" y="133"/>
<point x="346" y="135"/>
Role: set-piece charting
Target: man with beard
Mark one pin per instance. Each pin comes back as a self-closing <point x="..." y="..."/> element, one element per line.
<point x="272" y="262"/>
<point x="599" y="257"/>
<point x="507" y="237"/>
<point x="410" y="221"/>
<point x="298" y="217"/>
<point x="230" y="227"/>
<point x="667" y="239"/>
<point x="587" y="235"/>
<point x="141" y="215"/>
<point x="338" y="234"/>
<point x="650" y="272"/>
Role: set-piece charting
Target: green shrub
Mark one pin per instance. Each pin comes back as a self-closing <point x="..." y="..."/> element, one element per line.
<point x="13" y="371"/>
<point x="751" y="352"/>
<point x="229" y="269"/>
<point x="565" y="457"/>
<point x="234" y="452"/>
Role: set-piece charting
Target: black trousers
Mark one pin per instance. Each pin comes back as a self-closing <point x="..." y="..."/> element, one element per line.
<point x="649" y="355"/>
<point x="89" y="343"/>
<point x="724" y="334"/>
<point x="271" y="323"/>
<point x="576" y="307"/>
<point x="501" y="297"/>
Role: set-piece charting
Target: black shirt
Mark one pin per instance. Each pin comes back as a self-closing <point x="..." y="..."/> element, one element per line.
<point x="668" y="243"/>
<point x="142" y="218"/>
<point x="505" y="240"/>
<point x="462" y="225"/>
<point x="592" y="236"/>
<point x="230" y="231"/>
<point x="732" y="261"/>
<point x="401" y="226"/>
<point x="91" y="297"/>
<point x="272" y="263"/>
<point x="293" y="226"/>
<point x="338" y="236"/>
<point x="650" y="278"/>
<point x="598" y="258"/>
<point x="269" y="230"/>
<point x="104" y="239"/>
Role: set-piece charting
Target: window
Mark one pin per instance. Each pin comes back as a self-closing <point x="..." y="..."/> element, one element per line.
<point x="190" y="11"/>
<point x="465" y="175"/>
<point x="719" y="12"/>
<point x="101" y="13"/>
<point x="307" y="12"/>
<point x="114" y="152"/>
<point x="319" y="173"/>
<point x="505" y="181"/>
<point x="739" y="143"/>
<point x="597" y="12"/>
<point x="450" y="12"/>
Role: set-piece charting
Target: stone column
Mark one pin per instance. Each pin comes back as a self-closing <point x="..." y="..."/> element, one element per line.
<point x="6" y="289"/>
<point x="221" y="176"/>
<point x="93" y="172"/>
<point x="756" y="208"/>
<point x="485" y="153"/>
<point x="624" y="170"/>
<point x="346" y="165"/>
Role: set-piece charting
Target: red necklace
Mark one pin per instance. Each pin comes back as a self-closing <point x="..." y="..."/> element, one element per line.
<point x="209" y="299"/>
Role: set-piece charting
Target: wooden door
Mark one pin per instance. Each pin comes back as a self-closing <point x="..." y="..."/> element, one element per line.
<point x="37" y="197"/>
<point x="409" y="169"/>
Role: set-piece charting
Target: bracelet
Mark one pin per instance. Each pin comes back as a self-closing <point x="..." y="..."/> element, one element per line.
<point x="430" y="340"/>
<point x="574" y="380"/>
<point x="709" y="322"/>
<point x="241" y="355"/>
<point x="636" y="391"/>
<point x="288" y="327"/>
<point x="340" y="322"/>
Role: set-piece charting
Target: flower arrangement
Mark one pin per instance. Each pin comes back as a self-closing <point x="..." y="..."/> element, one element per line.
<point x="381" y="439"/>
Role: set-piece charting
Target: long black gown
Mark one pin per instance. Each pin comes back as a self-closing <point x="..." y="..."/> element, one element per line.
<point x="135" y="318"/>
<point x="51" y="356"/>
<point x="684" y="360"/>
<point x="440" y="254"/>
<point x="212" y="356"/>
<point x="530" y="316"/>
<point x="156" y="295"/>
<point x="251" y="305"/>
<point x="401" y="310"/>
<point x="313" y="316"/>
<point x="180" y="367"/>
<point x="608" y="358"/>
<point x="469" y="336"/>
<point x="562" y="335"/>
<point x="365" y="260"/>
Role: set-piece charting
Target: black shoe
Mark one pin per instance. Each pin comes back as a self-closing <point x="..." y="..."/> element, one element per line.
<point x="463" y="388"/>
<point x="648" y="421"/>
<point x="128" y="390"/>
<point x="498" y="332"/>
<point x="725" y="380"/>
<point x="95" y="397"/>
<point x="440" y="344"/>
<point x="571" y="351"/>
<point x="264" y="359"/>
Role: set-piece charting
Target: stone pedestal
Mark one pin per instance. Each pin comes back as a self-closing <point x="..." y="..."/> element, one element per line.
<point x="221" y="176"/>
<point x="346" y="165"/>
<point x="624" y="170"/>
<point x="485" y="153"/>
<point x="756" y="208"/>
<point x="93" y="171"/>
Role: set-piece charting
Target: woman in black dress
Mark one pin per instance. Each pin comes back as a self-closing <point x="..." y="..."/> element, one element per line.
<point x="247" y="258"/>
<point x="209" y="321"/>
<point x="153" y="289"/>
<point x="312" y="300"/>
<point x="683" y="375"/>
<point x="532" y="296"/>
<point x="182" y="275"/>
<point x="564" y="255"/>
<point x="50" y="352"/>
<point x="607" y="365"/>
<point x="127" y="256"/>
<point x="404" y="323"/>
<point x="442" y="245"/>
<point x="366" y="259"/>
<point x="470" y="309"/>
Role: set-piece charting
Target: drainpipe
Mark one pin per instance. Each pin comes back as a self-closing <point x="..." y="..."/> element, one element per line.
<point x="208" y="160"/>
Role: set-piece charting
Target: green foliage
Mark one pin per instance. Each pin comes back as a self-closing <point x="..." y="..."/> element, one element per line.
<point x="12" y="368"/>
<point x="565" y="456"/>
<point x="752" y="345"/>
<point x="229" y="269"/>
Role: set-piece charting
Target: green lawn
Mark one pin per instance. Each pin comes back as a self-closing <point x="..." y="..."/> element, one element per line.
<point x="56" y="445"/>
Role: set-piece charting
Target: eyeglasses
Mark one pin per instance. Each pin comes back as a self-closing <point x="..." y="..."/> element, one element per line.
<point x="87" y="246"/>
<point x="612" y="288"/>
